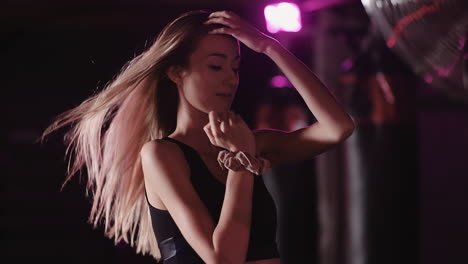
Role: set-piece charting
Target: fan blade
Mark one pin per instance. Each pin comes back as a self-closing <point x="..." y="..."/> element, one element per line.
<point x="430" y="35"/>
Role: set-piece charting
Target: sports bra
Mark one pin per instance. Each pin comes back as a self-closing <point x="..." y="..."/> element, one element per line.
<point x="173" y="246"/>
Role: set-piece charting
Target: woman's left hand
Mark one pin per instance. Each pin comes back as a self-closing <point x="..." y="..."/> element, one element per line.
<point x="240" y="29"/>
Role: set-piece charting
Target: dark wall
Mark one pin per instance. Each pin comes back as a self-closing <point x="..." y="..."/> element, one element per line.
<point x="443" y="165"/>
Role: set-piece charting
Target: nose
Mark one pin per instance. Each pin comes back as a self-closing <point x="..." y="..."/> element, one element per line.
<point x="232" y="81"/>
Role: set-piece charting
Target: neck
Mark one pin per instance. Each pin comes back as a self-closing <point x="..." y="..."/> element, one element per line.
<point x="190" y="123"/>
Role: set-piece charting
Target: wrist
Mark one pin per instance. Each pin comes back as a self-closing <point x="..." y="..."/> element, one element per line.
<point x="243" y="160"/>
<point x="271" y="47"/>
<point x="251" y="151"/>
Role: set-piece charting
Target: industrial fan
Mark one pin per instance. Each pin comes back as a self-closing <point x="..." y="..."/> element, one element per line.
<point x="431" y="36"/>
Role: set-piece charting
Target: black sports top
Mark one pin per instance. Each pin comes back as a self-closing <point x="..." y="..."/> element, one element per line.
<point x="173" y="246"/>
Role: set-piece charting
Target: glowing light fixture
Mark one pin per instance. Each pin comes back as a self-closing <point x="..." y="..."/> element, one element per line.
<point x="283" y="16"/>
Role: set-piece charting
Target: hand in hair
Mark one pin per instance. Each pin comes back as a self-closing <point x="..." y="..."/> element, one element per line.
<point x="229" y="131"/>
<point x="240" y="29"/>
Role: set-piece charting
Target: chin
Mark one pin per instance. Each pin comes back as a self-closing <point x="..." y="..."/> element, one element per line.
<point x="220" y="108"/>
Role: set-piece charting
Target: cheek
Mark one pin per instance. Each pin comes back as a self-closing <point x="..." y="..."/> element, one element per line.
<point x="198" y="88"/>
<point x="199" y="81"/>
<point x="205" y="81"/>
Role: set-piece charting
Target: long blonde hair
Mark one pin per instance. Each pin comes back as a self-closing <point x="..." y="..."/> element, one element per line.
<point x="109" y="128"/>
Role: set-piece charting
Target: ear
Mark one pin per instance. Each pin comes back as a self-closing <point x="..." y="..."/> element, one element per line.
<point x="175" y="74"/>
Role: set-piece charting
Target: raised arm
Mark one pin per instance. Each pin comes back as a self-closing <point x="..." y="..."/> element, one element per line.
<point x="333" y="123"/>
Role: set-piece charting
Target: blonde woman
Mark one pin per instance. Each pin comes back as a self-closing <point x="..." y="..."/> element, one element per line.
<point x="175" y="173"/>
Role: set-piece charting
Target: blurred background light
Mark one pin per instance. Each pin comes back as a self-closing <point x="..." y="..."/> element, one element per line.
<point x="280" y="81"/>
<point x="283" y="16"/>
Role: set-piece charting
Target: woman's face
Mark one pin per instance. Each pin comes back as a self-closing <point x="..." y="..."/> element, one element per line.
<point x="211" y="79"/>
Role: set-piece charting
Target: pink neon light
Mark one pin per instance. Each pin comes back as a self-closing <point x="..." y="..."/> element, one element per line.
<point x="283" y="16"/>
<point x="428" y="78"/>
<point x="280" y="81"/>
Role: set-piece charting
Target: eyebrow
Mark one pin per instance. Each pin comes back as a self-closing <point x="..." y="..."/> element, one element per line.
<point x="222" y="55"/>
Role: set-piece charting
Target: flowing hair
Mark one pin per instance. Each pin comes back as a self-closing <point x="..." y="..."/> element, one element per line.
<point x="108" y="130"/>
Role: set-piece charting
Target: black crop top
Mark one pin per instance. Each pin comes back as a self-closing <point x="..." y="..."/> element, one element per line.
<point x="176" y="250"/>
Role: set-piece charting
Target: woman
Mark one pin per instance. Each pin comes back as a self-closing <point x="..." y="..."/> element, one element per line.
<point x="172" y="171"/>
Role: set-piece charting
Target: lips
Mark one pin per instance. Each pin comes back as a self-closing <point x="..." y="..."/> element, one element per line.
<point x="228" y="95"/>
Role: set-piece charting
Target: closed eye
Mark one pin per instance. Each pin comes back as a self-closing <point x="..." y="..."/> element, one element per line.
<point x="216" y="68"/>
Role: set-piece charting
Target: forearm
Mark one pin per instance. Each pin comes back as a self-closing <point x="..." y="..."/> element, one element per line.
<point x="232" y="232"/>
<point x="325" y="108"/>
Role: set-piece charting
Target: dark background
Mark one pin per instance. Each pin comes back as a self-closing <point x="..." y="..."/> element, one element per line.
<point x="54" y="55"/>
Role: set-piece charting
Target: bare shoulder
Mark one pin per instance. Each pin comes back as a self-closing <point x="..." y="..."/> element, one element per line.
<point x="161" y="150"/>
<point x="164" y="158"/>
<point x="157" y="146"/>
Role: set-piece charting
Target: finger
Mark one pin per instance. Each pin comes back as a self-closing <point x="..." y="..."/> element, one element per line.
<point x="231" y="118"/>
<point x="224" y="13"/>
<point x="207" y="130"/>
<point x="224" y="121"/>
<point x="222" y="20"/>
<point x="223" y="126"/>
<point x="227" y="31"/>
<point x="214" y="117"/>
<point x="224" y="116"/>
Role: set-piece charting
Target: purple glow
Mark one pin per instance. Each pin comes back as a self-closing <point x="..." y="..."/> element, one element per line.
<point x="347" y="64"/>
<point x="444" y="72"/>
<point x="428" y="78"/>
<point x="315" y="5"/>
<point x="283" y="16"/>
<point x="279" y="81"/>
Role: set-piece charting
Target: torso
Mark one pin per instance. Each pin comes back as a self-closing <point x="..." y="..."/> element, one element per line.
<point x="211" y="163"/>
<point x="218" y="174"/>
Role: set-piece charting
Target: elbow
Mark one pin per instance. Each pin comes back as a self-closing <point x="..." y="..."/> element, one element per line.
<point x="346" y="131"/>
<point x="221" y="259"/>
<point x="229" y="257"/>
